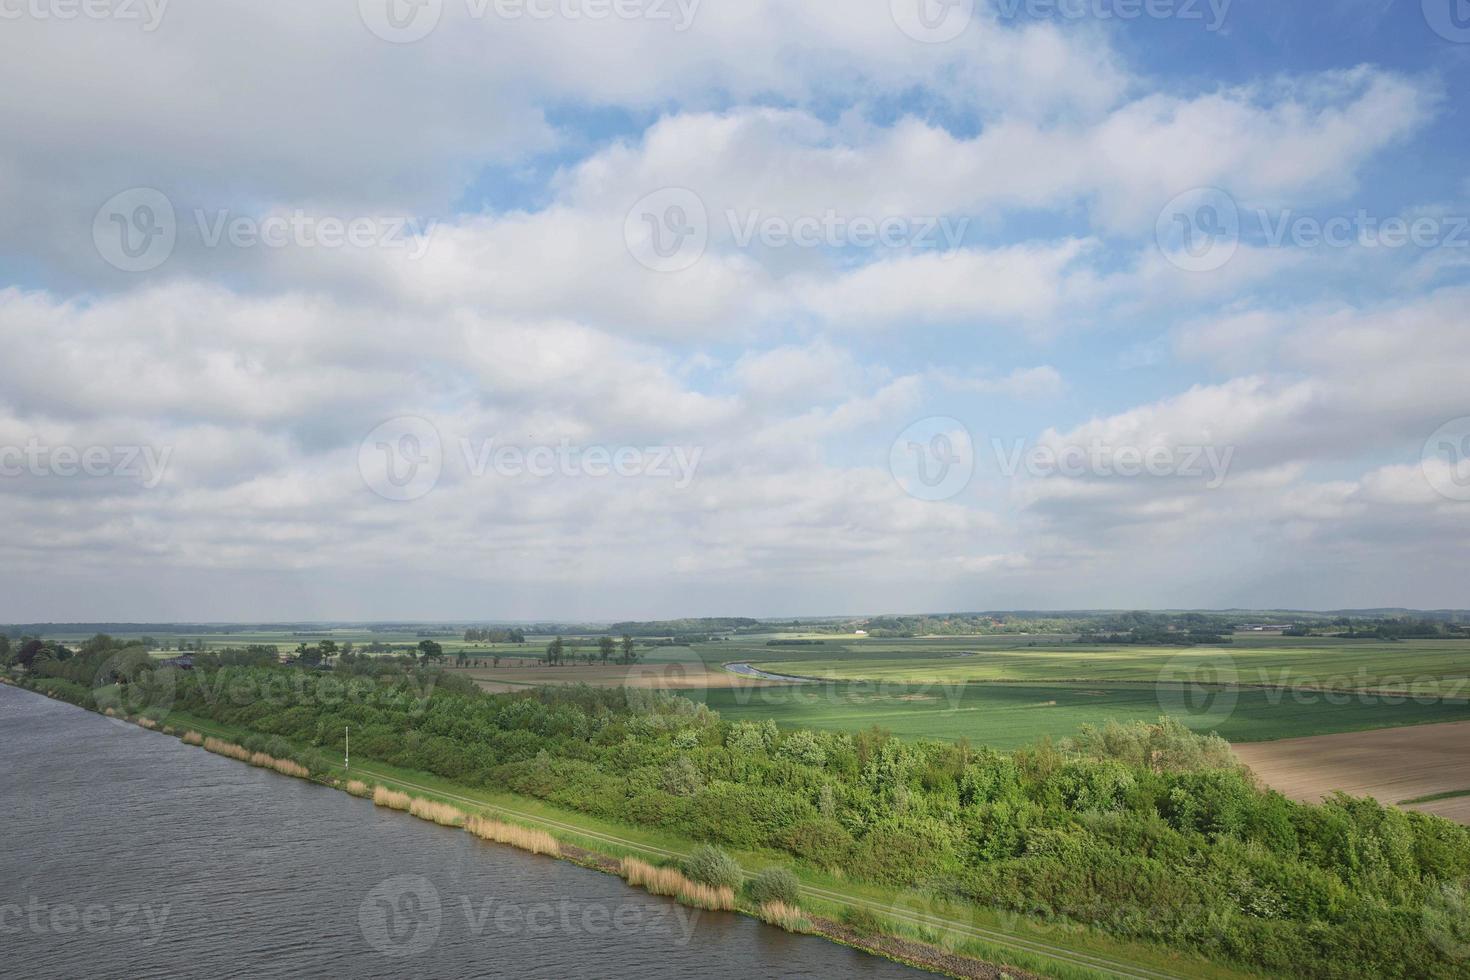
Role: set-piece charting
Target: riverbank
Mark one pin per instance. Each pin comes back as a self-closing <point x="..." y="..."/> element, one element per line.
<point x="917" y="927"/>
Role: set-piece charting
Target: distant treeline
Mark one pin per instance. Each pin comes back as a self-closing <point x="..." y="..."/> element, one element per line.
<point x="494" y="636"/>
<point x="684" y="627"/>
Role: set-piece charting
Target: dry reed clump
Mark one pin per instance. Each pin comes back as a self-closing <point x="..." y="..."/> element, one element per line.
<point x="440" y="813"/>
<point x="391" y="800"/>
<point x="713" y="897"/>
<point x="220" y="747"/>
<point x="788" y="917"/>
<point x="358" y="788"/>
<point x="110" y="713"/>
<point x="193" y="738"/>
<point x="262" y="760"/>
<point x="170" y="730"/>
<point x="147" y="723"/>
<point x="668" y="881"/>
<point x="535" y="841"/>
<point x="288" y="768"/>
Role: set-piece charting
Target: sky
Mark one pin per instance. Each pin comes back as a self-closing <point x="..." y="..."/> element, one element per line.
<point x="611" y="309"/>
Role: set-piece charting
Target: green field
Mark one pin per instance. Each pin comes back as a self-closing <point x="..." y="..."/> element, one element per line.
<point x="1419" y="666"/>
<point x="1007" y="691"/>
<point x="1012" y="715"/>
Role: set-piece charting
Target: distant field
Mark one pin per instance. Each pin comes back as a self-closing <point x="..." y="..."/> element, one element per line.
<point x="1011" y="715"/>
<point x="1416" y="666"/>
<point x="667" y="675"/>
<point x="1391" y="766"/>
<point x="999" y="690"/>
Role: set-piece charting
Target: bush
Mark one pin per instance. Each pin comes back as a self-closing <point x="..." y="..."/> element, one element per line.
<point x="774" y="885"/>
<point x="712" y="866"/>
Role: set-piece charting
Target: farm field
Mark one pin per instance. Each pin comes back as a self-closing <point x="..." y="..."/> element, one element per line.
<point x="1392" y="766"/>
<point x="1011" y="715"/>
<point x="1439" y="667"/>
<point x="687" y="678"/>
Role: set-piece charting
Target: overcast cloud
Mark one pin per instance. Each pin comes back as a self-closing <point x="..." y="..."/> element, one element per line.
<point x="728" y="308"/>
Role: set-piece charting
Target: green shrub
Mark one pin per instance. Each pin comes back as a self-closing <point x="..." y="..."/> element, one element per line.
<point x="712" y="866"/>
<point x="862" y="921"/>
<point x="774" y="885"/>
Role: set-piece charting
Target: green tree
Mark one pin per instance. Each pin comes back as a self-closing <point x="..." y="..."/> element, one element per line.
<point x="630" y="653"/>
<point x="605" y="647"/>
<point x="430" y="650"/>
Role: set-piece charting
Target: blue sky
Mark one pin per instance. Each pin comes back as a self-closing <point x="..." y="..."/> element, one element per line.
<point x="1105" y="241"/>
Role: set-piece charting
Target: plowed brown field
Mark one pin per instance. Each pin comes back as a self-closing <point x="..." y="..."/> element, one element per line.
<point x="1390" y="765"/>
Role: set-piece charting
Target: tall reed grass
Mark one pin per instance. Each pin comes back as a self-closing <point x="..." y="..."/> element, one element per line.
<point x="358" y="788"/>
<point x="383" y="796"/>
<point x="147" y="723"/>
<point x="287" y="767"/>
<point x="440" y="813"/>
<point x="788" y="917"/>
<point x="670" y="882"/>
<point x="193" y="738"/>
<point x="535" y="841"/>
<point x="220" y="747"/>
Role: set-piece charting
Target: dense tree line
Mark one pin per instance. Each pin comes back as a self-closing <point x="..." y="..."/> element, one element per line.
<point x="474" y="635"/>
